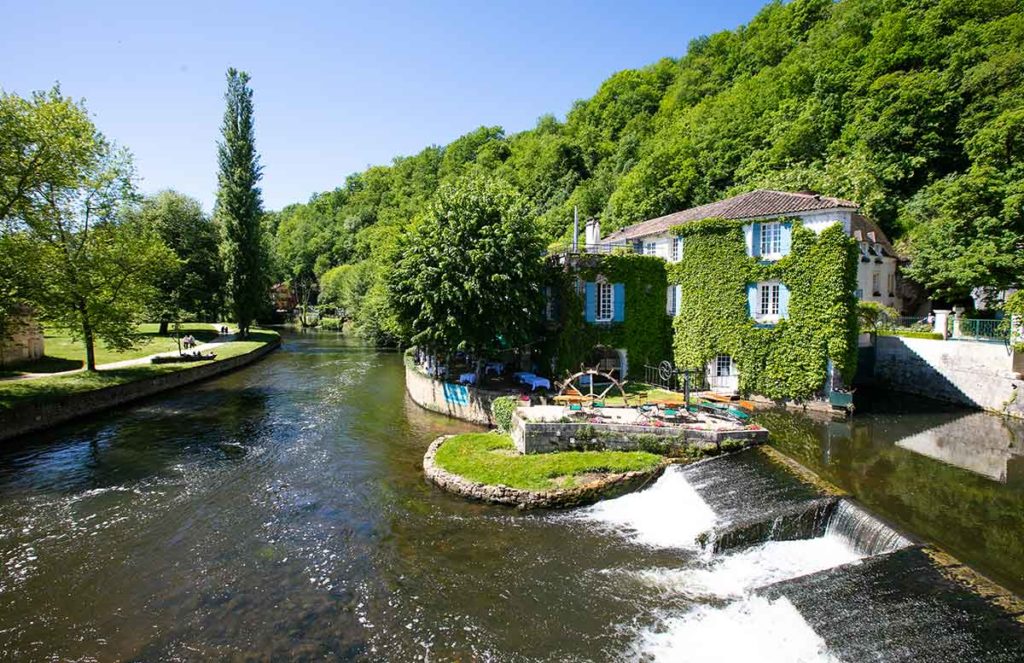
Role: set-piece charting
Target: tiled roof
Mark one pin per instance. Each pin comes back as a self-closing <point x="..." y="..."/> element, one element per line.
<point x="860" y="226"/>
<point x="759" y="203"/>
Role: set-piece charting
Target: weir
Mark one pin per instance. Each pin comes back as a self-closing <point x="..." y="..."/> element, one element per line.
<point x="804" y="576"/>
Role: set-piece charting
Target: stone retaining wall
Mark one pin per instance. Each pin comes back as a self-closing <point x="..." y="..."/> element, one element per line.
<point x="543" y="437"/>
<point x="974" y="373"/>
<point x="455" y="400"/>
<point x="611" y="485"/>
<point x="30" y="418"/>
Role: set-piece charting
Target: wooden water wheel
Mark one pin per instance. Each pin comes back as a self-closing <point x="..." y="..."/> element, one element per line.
<point x="579" y="387"/>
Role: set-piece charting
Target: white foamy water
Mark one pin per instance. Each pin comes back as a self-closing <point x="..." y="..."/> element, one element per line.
<point x="753" y="629"/>
<point x="669" y="514"/>
<point x="736" y="574"/>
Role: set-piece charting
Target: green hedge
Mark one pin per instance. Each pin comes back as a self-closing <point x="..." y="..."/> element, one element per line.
<point x="502" y="409"/>
<point x="909" y="333"/>
<point x="789" y="359"/>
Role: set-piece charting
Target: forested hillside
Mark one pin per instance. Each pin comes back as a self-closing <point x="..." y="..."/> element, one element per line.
<point x="914" y="109"/>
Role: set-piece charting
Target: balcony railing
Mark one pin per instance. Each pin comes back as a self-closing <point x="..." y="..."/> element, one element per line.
<point x="593" y="249"/>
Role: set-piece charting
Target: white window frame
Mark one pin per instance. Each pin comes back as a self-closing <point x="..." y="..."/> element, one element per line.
<point x="605" y="302"/>
<point x="771" y="239"/>
<point x="876" y="283"/>
<point x="651" y="248"/>
<point x="767" y="301"/>
<point x="677" y="249"/>
<point x="671" y="301"/>
<point x="719" y="363"/>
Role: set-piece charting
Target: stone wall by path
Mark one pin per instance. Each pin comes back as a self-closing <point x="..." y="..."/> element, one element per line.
<point x="25" y="344"/>
<point x="543" y="437"/>
<point x="30" y="418"/>
<point x="974" y="373"/>
<point x="611" y="485"/>
<point x="455" y="400"/>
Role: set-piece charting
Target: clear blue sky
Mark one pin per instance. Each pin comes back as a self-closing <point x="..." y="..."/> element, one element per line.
<point x="338" y="86"/>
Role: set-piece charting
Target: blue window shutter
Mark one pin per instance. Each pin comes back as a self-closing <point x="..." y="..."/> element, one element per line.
<point x="783" y="301"/>
<point x="787" y="238"/>
<point x="752" y="299"/>
<point x="755" y="239"/>
<point x="590" y="301"/>
<point x="619" y="301"/>
<point x="638" y="247"/>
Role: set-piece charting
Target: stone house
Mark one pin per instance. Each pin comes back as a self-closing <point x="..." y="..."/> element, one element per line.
<point x="771" y="215"/>
<point x="25" y="342"/>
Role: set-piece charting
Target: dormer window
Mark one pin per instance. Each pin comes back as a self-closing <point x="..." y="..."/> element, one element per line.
<point x="771" y="238"/>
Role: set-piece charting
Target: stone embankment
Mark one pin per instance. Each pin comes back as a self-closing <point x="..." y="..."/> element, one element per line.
<point x="609" y="485"/>
<point x="33" y="417"/>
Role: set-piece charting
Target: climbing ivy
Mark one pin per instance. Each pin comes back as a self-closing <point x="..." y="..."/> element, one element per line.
<point x="645" y="332"/>
<point x="788" y="359"/>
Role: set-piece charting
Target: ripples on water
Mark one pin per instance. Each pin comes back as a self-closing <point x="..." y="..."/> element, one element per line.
<point x="280" y="512"/>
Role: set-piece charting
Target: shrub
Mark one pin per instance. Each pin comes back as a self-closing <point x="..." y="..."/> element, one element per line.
<point x="502" y="409"/>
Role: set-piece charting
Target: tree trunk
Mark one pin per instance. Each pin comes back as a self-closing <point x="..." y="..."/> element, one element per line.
<point x="90" y="347"/>
<point x="163" y="327"/>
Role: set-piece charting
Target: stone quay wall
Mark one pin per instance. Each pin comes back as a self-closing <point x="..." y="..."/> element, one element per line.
<point x="974" y="373"/>
<point x="31" y="418"/>
<point x="543" y="437"/>
<point x="455" y="400"/>
<point x="611" y="485"/>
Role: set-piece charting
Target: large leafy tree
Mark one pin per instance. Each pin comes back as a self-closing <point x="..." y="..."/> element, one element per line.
<point x="195" y="289"/>
<point x="239" y="205"/>
<point x="65" y="191"/>
<point x="467" y="274"/>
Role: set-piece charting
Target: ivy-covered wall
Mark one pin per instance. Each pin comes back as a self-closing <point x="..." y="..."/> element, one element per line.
<point x="788" y="359"/>
<point x="645" y="332"/>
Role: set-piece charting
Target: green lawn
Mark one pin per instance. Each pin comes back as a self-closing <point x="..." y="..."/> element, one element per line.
<point x="15" y="392"/>
<point x="490" y="458"/>
<point x="59" y="346"/>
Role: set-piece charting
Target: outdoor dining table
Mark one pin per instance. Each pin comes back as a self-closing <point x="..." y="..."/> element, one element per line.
<point x="494" y="366"/>
<point x="467" y="378"/>
<point x="535" y="381"/>
<point x="521" y="376"/>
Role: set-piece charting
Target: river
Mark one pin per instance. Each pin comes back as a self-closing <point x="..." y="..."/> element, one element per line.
<point x="280" y="512"/>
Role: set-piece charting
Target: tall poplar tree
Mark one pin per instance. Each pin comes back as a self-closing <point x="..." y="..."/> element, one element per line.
<point x="239" y="205"/>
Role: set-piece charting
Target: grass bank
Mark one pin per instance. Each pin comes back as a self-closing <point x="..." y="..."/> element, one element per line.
<point x="40" y="390"/>
<point x="490" y="458"/>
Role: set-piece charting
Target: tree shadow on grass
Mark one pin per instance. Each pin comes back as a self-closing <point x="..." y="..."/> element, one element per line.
<point x="43" y="365"/>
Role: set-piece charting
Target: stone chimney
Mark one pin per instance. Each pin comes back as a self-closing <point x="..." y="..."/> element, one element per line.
<point x="592" y="232"/>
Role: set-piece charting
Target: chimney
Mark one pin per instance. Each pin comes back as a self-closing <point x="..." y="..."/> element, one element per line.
<point x="592" y="232"/>
<point x="871" y="236"/>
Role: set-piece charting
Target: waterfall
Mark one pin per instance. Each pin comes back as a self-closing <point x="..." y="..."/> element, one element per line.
<point x="866" y="533"/>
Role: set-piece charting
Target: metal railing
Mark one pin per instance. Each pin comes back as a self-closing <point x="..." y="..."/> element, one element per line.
<point x="979" y="330"/>
<point x="594" y="249"/>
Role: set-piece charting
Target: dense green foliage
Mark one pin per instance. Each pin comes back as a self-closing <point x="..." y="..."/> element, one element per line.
<point x="194" y="290"/>
<point x="485" y="457"/>
<point x="912" y="108"/>
<point x="645" y="331"/>
<point x="467" y="272"/>
<point x="81" y="261"/>
<point x="239" y="207"/>
<point x="502" y="409"/>
<point x="785" y="360"/>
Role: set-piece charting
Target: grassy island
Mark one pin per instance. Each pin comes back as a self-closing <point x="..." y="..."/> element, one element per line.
<point x="491" y="459"/>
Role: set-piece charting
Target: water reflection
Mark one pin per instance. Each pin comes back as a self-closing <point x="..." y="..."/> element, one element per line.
<point x="948" y="475"/>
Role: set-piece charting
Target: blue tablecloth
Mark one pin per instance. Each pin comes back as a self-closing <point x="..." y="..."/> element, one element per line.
<point x="494" y="366"/>
<point x="535" y="382"/>
<point x="468" y="378"/>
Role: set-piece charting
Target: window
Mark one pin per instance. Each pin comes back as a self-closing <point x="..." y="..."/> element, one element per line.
<point x="651" y="249"/>
<point x="677" y="249"/>
<point x="876" y="284"/>
<point x="723" y="366"/>
<point x="605" y="302"/>
<point x="768" y="300"/>
<point x="672" y="304"/>
<point x="771" y="238"/>
<point x="892" y="284"/>
<point x="549" y="304"/>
